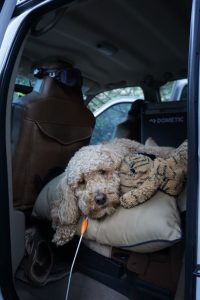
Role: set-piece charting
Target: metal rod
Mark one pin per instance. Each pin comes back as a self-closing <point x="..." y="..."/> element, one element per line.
<point x="72" y="266"/>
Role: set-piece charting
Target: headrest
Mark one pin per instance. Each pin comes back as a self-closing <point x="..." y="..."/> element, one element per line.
<point x="68" y="76"/>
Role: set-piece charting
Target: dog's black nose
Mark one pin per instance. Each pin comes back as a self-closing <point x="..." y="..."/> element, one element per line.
<point x="100" y="198"/>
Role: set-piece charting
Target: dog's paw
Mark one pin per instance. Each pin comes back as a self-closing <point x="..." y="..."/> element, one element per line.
<point x="128" y="200"/>
<point x="64" y="234"/>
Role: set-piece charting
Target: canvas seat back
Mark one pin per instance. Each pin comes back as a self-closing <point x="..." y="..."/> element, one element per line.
<point x="165" y="122"/>
<point x="48" y="126"/>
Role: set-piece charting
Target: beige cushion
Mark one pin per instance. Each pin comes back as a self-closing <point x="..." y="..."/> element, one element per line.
<point x="46" y="196"/>
<point x="181" y="200"/>
<point x="148" y="227"/>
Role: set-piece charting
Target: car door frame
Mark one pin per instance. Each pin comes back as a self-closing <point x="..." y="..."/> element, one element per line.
<point x="12" y="42"/>
<point x="192" y="255"/>
<point x="6" y="10"/>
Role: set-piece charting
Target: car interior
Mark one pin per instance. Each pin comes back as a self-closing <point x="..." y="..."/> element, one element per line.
<point x="71" y="54"/>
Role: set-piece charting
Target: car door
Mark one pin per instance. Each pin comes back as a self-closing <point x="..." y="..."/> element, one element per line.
<point x="14" y="16"/>
<point x="192" y="256"/>
<point x="6" y="11"/>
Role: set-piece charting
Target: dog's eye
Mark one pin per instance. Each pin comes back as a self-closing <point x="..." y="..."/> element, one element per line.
<point x="102" y="172"/>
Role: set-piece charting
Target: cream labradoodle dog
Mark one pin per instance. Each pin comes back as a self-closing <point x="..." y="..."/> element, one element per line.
<point x="91" y="184"/>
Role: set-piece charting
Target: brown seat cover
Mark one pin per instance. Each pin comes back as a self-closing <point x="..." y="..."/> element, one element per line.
<point x="49" y="125"/>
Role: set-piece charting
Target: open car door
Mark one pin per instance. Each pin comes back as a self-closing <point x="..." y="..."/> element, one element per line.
<point x="192" y="259"/>
<point x="6" y="11"/>
<point x="13" y="17"/>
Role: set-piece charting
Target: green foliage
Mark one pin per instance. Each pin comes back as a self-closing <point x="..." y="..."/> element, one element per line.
<point x="166" y="91"/>
<point x="136" y="92"/>
<point x="103" y="98"/>
<point x="107" y="122"/>
<point x="22" y="80"/>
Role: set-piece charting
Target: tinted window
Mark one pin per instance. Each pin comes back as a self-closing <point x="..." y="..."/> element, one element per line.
<point x="105" y="97"/>
<point x="166" y="91"/>
<point x="107" y="121"/>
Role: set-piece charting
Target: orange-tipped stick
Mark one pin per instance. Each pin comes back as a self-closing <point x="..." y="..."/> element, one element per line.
<point x="84" y="226"/>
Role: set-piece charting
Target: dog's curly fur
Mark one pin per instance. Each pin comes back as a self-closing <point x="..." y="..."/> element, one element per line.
<point x="93" y="171"/>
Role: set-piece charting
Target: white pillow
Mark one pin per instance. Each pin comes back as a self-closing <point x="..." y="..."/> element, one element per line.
<point x="148" y="227"/>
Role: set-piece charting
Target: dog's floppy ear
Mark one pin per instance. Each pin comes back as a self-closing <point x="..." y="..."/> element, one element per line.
<point x="64" y="210"/>
<point x="65" y="214"/>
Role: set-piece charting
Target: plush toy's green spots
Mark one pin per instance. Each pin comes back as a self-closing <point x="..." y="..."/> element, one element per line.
<point x="141" y="176"/>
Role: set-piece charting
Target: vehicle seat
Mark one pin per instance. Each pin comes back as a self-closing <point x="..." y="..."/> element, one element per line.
<point x="48" y="126"/>
<point x="166" y="123"/>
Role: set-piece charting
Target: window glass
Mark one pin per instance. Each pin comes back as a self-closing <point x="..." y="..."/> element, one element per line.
<point x="102" y="98"/>
<point x="108" y="120"/>
<point x="23" y="80"/>
<point x="18" y="95"/>
<point x="166" y="91"/>
<point x="23" y="86"/>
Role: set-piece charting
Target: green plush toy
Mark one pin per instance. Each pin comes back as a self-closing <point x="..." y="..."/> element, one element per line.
<point x="142" y="175"/>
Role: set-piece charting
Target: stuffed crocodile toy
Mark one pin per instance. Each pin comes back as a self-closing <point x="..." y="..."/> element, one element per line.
<point x="142" y="175"/>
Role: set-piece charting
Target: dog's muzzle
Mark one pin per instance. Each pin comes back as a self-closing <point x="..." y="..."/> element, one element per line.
<point x="100" y="198"/>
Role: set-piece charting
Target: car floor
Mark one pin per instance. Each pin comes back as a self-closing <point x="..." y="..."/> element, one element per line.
<point x="82" y="287"/>
<point x="51" y="291"/>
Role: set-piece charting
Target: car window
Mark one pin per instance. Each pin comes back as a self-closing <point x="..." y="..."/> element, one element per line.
<point x="107" y="121"/>
<point x="174" y="90"/>
<point x="102" y="98"/>
<point x="166" y="91"/>
<point x="23" y="86"/>
<point x="109" y="117"/>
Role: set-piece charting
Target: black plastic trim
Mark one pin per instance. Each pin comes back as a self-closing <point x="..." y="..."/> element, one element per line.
<point x="23" y="89"/>
<point x="20" y="8"/>
<point x="192" y="193"/>
<point x="31" y="3"/>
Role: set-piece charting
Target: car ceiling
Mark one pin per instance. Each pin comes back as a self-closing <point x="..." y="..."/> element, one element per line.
<point x="148" y="40"/>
